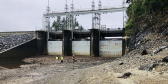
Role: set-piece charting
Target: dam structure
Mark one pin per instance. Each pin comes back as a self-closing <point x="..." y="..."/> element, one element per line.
<point x="91" y="42"/>
<point x="32" y="43"/>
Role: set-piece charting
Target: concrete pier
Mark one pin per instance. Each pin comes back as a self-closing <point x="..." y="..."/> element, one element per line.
<point x="41" y="42"/>
<point x="67" y="43"/>
<point x="94" y="43"/>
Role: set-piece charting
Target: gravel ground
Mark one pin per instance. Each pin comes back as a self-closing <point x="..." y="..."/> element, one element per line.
<point x="45" y="66"/>
<point x="109" y="72"/>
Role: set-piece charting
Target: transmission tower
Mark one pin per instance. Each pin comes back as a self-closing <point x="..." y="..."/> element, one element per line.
<point x="46" y="21"/>
<point x="96" y="17"/>
<point x="72" y="17"/>
<point x="123" y="3"/>
<point x="68" y="18"/>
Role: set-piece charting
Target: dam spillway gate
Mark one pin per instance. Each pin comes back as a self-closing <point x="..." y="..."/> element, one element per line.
<point x="94" y="46"/>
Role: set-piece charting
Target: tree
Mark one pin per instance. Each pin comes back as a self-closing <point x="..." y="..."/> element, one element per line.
<point x="62" y="24"/>
<point x="144" y="12"/>
<point x="129" y="1"/>
<point x="57" y="24"/>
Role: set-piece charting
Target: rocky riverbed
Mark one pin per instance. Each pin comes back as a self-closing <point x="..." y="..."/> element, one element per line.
<point x="44" y="66"/>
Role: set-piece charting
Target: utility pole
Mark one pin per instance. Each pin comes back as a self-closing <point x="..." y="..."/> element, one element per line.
<point x="123" y="11"/>
<point x="67" y="17"/>
<point x="93" y="8"/>
<point x="100" y="7"/>
<point x="48" y="24"/>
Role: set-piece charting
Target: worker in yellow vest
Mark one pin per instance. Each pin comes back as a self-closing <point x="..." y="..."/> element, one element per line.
<point x="61" y="59"/>
<point x="57" y="59"/>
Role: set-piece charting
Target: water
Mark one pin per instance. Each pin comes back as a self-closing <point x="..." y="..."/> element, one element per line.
<point x="12" y="63"/>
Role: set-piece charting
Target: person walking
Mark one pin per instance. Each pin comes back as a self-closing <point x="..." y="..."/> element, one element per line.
<point x="73" y="58"/>
<point x="61" y="59"/>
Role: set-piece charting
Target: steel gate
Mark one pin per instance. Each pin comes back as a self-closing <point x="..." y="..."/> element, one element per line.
<point x="81" y="48"/>
<point x="54" y="47"/>
<point x="110" y="48"/>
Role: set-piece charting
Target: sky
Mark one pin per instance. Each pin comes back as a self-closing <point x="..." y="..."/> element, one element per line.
<point x="26" y="15"/>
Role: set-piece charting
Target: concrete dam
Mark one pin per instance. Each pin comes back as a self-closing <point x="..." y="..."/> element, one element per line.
<point x="87" y="43"/>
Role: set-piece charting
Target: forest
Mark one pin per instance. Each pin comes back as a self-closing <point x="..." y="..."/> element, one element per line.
<point x="146" y="14"/>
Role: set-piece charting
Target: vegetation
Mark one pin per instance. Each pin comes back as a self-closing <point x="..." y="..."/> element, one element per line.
<point x="146" y="14"/>
<point x="61" y="24"/>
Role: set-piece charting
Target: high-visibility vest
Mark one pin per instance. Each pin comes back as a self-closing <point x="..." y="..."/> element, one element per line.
<point x="56" y="58"/>
<point x="61" y="58"/>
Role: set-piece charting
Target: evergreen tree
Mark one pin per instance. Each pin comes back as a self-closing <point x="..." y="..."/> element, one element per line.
<point x="57" y="24"/>
<point x="61" y="24"/>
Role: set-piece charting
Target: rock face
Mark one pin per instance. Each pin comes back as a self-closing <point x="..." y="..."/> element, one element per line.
<point x="9" y="40"/>
<point x="132" y="42"/>
<point x="148" y="42"/>
<point x="138" y="39"/>
<point x="165" y="59"/>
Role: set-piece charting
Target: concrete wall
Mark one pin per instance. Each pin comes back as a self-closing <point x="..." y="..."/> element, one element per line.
<point x="25" y="50"/>
<point x="54" y="47"/>
<point x="81" y="48"/>
<point x="110" y="48"/>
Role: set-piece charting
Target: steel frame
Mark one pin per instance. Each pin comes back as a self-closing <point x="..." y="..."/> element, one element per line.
<point x="96" y="15"/>
<point x="84" y="12"/>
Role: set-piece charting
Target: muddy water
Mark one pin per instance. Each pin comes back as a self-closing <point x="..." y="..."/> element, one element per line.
<point x="12" y="63"/>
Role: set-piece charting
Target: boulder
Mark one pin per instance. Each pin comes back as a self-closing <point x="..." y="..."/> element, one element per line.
<point x="126" y="75"/>
<point x="165" y="32"/>
<point x="159" y="50"/>
<point x="121" y="63"/>
<point x="144" y="52"/>
<point x="165" y="59"/>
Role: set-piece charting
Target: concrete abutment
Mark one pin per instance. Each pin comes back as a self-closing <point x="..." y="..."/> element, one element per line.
<point x="94" y="43"/>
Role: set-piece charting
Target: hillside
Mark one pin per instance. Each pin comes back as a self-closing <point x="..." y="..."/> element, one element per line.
<point x="146" y="15"/>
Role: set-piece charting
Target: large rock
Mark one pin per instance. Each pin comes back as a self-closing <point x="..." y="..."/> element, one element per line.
<point x="165" y="59"/>
<point x="165" y="32"/>
<point x="126" y="75"/>
<point x="144" y="52"/>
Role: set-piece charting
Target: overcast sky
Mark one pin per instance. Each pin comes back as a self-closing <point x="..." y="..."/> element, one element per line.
<point x="26" y="15"/>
